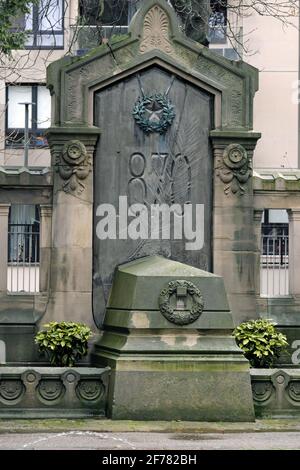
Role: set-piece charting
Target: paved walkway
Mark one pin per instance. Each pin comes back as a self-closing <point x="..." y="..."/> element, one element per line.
<point x="101" y="434"/>
<point x="106" y="425"/>
<point x="91" y="440"/>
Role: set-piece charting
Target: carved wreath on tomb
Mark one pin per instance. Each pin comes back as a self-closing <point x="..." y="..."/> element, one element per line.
<point x="181" y="317"/>
<point x="234" y="168"/>
<point x="73" y="165"/>
<point x="153" y="113"/>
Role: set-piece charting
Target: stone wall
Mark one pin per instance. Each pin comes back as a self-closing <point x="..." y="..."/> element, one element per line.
<point x="43" y="392"/>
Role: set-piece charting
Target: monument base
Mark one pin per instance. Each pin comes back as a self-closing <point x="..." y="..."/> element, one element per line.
<point x="172" y="368"/>
<point x="179" y="388"/>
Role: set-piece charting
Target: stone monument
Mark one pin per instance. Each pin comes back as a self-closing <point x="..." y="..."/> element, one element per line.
<point x="155" y="120"/>
<point x="159" y="119"/>
<point x="167" y="338"/>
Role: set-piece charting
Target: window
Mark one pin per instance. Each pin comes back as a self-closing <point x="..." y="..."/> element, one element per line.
<point x="274" y="259"/>
<point x="275" y="234"/>
<point x="44" y="25"/>
<point x="101" y="22"/>
<point x="23" y="248"/>
<point x="217" y="22"/>
<point x="114" y="12"/>
<point x="39" y="114"/>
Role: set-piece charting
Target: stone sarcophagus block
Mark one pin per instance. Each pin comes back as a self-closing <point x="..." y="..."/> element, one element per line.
<point x="167" y="338"/>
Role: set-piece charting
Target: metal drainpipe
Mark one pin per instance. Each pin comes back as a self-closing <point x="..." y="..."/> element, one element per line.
<point x="26" y="133"/>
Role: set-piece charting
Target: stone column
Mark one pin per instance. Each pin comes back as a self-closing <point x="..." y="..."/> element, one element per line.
<point x="45" y="246"/>
<point x="4" y="210"/>
<point x="294" y="252"/>
<point x="234" y="247"/>
<point x="71" y="269"/>
<point x="258" y="213"/>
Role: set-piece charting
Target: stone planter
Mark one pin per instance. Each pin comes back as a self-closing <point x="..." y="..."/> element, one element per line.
<point x="52" y="392"/>
<point x="276" y="392"/>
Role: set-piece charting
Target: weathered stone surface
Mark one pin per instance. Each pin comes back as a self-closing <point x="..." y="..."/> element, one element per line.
<point x="172" y="168"/>
<point x="137" y="285"/>
<point x="163" y="370"/>
<point x="43" y="392"/>
<point x="19" y="343"/>
<point x="19" y="315"/>
<point x="276" y="392"/>
<point x="70" y="280"/>
<point x="70" y="306"/>
<point x="79" y="76"/>
<point x="101" y="88"/>
<point x="182" y="392"/>
<point x="234" y="236"/>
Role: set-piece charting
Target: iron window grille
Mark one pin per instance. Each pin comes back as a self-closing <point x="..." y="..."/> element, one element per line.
<point x="275" y="241"/>
<point x="24" y="240"/>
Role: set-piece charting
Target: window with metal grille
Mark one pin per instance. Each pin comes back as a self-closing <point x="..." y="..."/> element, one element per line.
<point x="23" y="248"/>
<point x="275" y="236"/>
<point x="274" y="260"/>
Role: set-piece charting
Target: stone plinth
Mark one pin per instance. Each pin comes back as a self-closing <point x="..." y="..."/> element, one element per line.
<point x="167" y="338"/>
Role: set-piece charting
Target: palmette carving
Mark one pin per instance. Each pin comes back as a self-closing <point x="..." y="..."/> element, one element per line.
<point x="234" y="169"/>
<point x="74" y="165"/>
<point x="156" y="31"/>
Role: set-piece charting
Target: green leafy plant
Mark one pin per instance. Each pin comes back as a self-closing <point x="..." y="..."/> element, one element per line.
<point x="64" y="342"/>
<point x="260" y="342"/>
<point x="12" y="37"/>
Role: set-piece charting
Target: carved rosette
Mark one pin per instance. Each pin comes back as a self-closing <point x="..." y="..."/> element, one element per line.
<point x="50" y="390"/>
<point x="156" y="31"/>
<point x="11" y="390"/>
<point x="74" y="165"/>
<point x="90" y="389"/>
<point x="262" y="391"/>
<point x="234" y="168"/>
<point x="293" y="391"/>
<point x="181" y="317"/>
